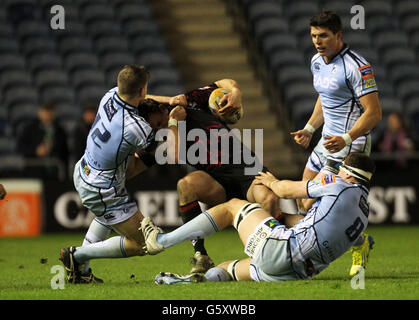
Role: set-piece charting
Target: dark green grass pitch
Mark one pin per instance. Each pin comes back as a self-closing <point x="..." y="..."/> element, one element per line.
<point x="25" y="265"/>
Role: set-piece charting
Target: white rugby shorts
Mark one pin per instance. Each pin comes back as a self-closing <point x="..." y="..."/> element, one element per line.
<point x="111" y="206"/>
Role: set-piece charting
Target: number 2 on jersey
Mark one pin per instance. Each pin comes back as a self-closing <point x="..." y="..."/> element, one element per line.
<point x="96" y="133"/>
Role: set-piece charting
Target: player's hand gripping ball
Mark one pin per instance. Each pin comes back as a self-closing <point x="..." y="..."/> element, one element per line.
<point x="214" y="105"/>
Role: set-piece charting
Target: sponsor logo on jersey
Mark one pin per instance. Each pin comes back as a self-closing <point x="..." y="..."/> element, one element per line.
<point x="272" y="223"/>
<point x="326" y="82"/>
<point x="325" y="180"/>
<point x="366" y="72"/>
<point x="369" y="83"/>
<point x="109" y="109"/>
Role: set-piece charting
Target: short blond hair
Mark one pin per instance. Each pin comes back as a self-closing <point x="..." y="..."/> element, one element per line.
<point x="131" y="79"/>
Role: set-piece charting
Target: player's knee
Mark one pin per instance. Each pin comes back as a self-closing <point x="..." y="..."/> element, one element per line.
<point x="185" y="187"/>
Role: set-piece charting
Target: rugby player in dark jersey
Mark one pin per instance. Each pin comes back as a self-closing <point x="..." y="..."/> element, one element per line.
<point x="214" y="181"/>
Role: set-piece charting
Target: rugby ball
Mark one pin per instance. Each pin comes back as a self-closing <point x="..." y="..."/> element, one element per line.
<point x="214" y="105"/>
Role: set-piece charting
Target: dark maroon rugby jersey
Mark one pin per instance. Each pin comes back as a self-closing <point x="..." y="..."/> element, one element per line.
<point x="200" y="116"/>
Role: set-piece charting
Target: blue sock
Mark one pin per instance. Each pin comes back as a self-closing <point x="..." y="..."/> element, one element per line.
<point x="200" y="227"/>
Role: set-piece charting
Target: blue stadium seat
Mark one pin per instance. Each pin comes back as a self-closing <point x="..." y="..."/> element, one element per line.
<point x="154" y="60"/>
<point x="85" y="77"/>
<point x="297" y="9"/>
<point x="407" y="89"/>
<point x="58" y="94"/>
<point x="9" y="45"/>
<point x="5" y="29"/>
<point x="111" y="44"/>
<point x="72" y="28"/>
<point x="297" y="91"/>
<point x="166" y="76"/>
<point x="166" y="90"/>
<point x="19" y="95"/>
<point x="97" y="11"/>
<point x="377" y="7"/>
<point x="381" y="23"/>
<point x="111" y="77"/>
<point x="140" y="27"/>
<point x="7" y="145"/>
<point x="40" y="61"/>
<point x="405" y="8"/>
<point x="82" y="60"/>
<point x="380" y="72"/>
<point x="47" y="78"/>
<point x="301" y="111"/>
<point x="357" y="39"/>
<point x="266" y="27"/>
<point x="133" y="11"/>
<point x="11" y="62"/>
<point x="300" y="26"/>
<point x="369" y="54"/>
<point x="412" y="107"/>
<point x="264" y="9"/>
<point x="146" y="43"/>
<point x="411" y="23"/>
<point x="22" y="112"/>
<point x="402" y="72"/>
<point x="389" y="39"/>
<point x="115" y="60"/>
<point x="68" y="111"/>
<point x="38" y="44"/>
<point x="390" y="104"/>
<point x="75" y="44"/>
<point x="293" y="74"/>
<point x="278" y="41"/>
<point x="285" y="57"/>
<point x="338" y="6"/>
<point x="91" y="94"/>
<point x="99" y="28"/>
<point x="13" y="78"/>
<point x="414" y="40"/>
<point x="411" y="111"/>
<point x="32" y="28"/>
<point x="398" y="55"/>
<point x="385" y="88"/>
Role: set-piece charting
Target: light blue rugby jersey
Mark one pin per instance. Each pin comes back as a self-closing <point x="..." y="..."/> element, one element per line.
<point x="332" y="225"/>
<point x="117" y="133"/>
<point x="340" y="84"/>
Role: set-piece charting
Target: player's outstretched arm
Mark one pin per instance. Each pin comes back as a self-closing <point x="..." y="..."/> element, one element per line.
<point x="283" y="188"/>
<point x="303" y="137"/>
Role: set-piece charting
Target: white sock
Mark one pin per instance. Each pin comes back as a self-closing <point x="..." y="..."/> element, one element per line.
<point x="198" y="228"/>
<point x="97" y="232"/>
<point x="112" y="248"/>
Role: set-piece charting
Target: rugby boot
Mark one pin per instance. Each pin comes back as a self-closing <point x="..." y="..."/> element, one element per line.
<point x="201" y="263"/>
<point x="360" y="255"/>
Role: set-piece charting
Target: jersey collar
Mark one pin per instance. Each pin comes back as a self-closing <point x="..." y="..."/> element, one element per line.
<point x="122" y="103"/>
<point x="340" y="53"/>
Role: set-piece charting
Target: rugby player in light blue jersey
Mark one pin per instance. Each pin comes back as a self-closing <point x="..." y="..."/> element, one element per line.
<point x="278" y="253"/>
<point x="348" y="108"/>
<point x="99" y="177"/>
